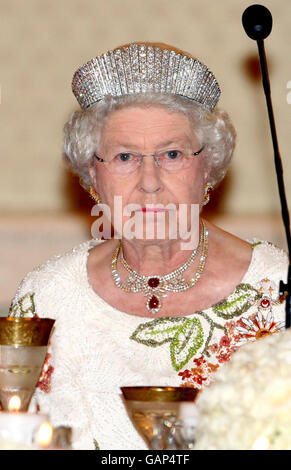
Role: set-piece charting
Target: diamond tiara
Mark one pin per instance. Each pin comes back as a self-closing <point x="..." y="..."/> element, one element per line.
<point x="141" y="68"/>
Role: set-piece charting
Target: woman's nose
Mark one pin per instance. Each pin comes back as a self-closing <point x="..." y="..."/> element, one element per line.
<point x="149" y="173"/>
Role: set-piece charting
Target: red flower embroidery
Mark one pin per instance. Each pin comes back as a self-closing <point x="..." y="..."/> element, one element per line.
<point x="224" y="356"/>
<point x="212" y="367"/>
<point x="225" y="342"/>
<point x="214" y="348"/>
<point x="200" y="361"/>
<point x="199" y="375"/>
<point x="44" y="382"/>
<point x="185" y="374"/>
<point x="199" y="379"/>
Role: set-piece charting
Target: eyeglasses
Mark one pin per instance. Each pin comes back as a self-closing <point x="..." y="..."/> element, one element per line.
<point x="125" y="163"/>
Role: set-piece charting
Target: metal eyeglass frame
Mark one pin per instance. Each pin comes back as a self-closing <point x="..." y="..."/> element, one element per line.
<point x="141" y="156"/>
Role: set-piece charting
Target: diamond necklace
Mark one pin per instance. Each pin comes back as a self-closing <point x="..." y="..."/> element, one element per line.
<point x="155" y="287"/>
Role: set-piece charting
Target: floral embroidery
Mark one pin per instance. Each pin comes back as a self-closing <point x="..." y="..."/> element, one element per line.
<point x="257" y="327"/>
<point x="267" y="288"/>
<point x="44" y="382"/>
<point x="24" y="307"/>
<point x="237" y="303"/>
<point x="157" y="332"/>
<point x="190" y="338"/>
<point x="186" y="336"/>
<point x="200" y="375"/>
<point x="227" y="344"/>
<point x="237" y="333"/>
<point x="186" y="342"/>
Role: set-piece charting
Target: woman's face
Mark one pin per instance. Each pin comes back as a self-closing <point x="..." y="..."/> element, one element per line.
<point x="149" y="130"/>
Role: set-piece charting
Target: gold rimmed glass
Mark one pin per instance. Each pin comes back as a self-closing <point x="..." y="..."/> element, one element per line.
<point x="156" y="414"/>
<point x="23" y="348"/>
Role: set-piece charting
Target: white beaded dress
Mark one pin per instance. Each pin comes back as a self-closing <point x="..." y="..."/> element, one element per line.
<point x="95" y="348"/>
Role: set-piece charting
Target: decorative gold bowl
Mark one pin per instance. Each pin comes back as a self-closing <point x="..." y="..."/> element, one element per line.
<point x="159" y="394"/>
<point x="155" y="412"/>
<point x="25" y="331"/>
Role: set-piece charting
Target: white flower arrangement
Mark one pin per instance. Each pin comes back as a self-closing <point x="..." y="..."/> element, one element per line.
<point x="249" y="404"/>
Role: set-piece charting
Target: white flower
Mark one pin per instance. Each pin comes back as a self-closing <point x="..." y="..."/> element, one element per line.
<point x="260" y="326"/>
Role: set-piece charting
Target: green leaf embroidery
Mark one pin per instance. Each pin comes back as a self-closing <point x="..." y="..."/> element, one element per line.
<point x="96" y="445"/>
<point x="24" y="307"/>
<point x="212" y="325"/>
<point x="186" y="342"/>
<point x="256" y="244"/>
<point x="237" y="303"/>
<point x="157" y="332"/>
<point x="186" y="335"/>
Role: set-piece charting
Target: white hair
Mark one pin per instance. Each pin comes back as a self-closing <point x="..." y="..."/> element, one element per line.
<point x="82" y="133"/>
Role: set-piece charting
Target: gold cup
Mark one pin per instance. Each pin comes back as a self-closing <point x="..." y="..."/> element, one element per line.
<point x="25" y="331"/>
<point x="155" y="411"/>
<point x="23" y="348"/>
<point x="160" y="394"/>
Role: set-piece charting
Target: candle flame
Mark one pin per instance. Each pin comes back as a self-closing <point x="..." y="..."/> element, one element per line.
<point x="14" y="403"/>
<point x="44" y="434"/>
<point x="261" y="443"/>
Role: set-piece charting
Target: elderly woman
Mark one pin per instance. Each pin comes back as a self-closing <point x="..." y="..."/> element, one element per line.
<point x="138" y="309"/>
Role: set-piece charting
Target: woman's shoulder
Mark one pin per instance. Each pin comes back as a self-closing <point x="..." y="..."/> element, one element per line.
<point x="256" y="258"/>
<point x="57" y="276"/>
<point x="269" y="259"/>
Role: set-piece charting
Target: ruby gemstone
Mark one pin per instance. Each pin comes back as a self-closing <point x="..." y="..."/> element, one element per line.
<point x="153" y="282"/>
<point x="154" y="302"/>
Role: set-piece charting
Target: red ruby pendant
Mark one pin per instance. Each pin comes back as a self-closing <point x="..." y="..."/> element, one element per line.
<point x="154" y="302"/>
<point x="153" y="282"/>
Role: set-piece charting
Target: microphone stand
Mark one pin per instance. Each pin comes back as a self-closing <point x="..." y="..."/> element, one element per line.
<point x="284" y="289"/>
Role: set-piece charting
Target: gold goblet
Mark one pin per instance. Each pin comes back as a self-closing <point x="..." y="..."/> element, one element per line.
<point x="23" y="347"/>
<point x="155" y="412"/>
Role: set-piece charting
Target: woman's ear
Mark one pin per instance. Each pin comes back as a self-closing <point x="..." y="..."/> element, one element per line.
<point x="93" y="175"/>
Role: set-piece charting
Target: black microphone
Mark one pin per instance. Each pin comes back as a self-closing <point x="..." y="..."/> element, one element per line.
<point x="257" y="22"/>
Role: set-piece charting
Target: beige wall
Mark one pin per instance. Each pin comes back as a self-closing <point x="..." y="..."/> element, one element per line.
<point x="43" y="42"/>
